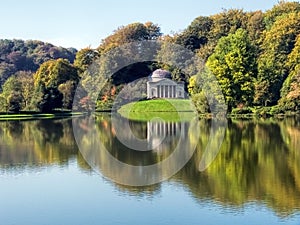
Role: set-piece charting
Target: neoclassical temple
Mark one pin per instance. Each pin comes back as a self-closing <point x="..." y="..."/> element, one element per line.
<point x="160" y="85"/>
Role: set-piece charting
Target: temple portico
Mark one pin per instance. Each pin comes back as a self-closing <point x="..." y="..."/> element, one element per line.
<point x="160" y="85"/>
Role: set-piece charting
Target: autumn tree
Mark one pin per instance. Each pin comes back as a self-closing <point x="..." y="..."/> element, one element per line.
<point x="84" y="58"/>
<point x="26" y="81"/>
<point x="227" y="22"/>
<point x="67" y="89"/>
<point x="47" y="80"/>
<point x="130" y="33"/>
<point x="114" y="53"/>
<point x="278" y="43"/>
<point x="290" y="92"/>
<point x="19" y="55"/>
<point x="281" y="9"/>
<point x="255" y="26"/>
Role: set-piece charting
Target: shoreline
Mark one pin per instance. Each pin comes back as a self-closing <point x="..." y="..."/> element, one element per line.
<point x="143" y="116"/>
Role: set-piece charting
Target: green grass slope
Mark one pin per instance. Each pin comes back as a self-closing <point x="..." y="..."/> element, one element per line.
<point x="165" y="109"/>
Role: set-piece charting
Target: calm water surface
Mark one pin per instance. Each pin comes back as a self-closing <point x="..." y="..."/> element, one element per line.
<point x="45" y="179"/>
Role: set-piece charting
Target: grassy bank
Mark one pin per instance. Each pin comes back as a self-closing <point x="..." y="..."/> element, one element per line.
<point x="182" y="109"/>
<point x="29" y="116"/>
<point x="165" y="109"/>
<point x="159" y="105"/>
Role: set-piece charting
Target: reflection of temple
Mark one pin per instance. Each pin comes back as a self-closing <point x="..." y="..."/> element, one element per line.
<point x="160" y="85"/>
<point x="158" y="131"/>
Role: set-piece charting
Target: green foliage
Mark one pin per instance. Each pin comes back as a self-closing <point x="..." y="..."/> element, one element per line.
<point x="197" y="34"/>
<point x="11" y="95"/>
<point x="206" y="94"/>
<point x="197" y="95"/>
<point x="233" y="63"/>
<point x="243" y="110"/>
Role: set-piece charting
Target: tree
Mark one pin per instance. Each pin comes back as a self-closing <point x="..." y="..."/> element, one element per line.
<point x="19" y="55"/>
<point x="130" y="33"/>
<point x="227" y="22"/>
<point x="233" y="63"/>
<point x="84" y="58"/>
<point x="197" y="33"/>
<point x="6" y="70"/>
<point x="198" y="96"/>
<point x="277" y="44"/>
<point x="26" y="82"/>
<point x="68" y="90"/>
<point x="255" y="26"/>
<point x="47" y="79"/>
<point x="3" y="104"/>
<point x="120" y="48"/>
<point x="281" y="9"/>
<point x="290" y="92"/>
<point x="11" y="95"/>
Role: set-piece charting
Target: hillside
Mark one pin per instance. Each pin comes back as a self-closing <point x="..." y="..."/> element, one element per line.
<point x="166" y="109"/>
<point x="19" y="55"/>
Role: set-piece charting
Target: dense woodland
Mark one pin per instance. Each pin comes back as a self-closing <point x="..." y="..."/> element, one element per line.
<point x="255" y="57"/>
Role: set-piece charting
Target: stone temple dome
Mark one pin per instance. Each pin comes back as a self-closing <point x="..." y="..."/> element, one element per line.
<point x="160" y="74"/>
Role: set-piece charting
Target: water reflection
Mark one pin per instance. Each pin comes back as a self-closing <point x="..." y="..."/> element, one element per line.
<point x="37" y="143"/>
<point x="106" y="146"/>
<point x="259" y="160"/>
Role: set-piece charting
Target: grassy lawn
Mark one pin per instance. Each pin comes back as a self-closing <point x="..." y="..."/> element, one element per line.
<point x="159" y="105"/>
<point x="165" y="109"/>
<point x="35" y="116"/>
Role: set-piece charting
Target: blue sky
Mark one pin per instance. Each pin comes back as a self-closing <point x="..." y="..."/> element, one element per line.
<point x="80" y="23"/>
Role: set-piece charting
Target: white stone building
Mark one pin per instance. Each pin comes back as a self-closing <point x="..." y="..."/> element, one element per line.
<point x="160" y="85"/>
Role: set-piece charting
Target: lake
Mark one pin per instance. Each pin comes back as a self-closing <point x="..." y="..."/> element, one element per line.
<point x="52" y="175"/>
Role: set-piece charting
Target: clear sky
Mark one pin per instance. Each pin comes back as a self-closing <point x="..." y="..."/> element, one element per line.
<point x="80" y="23"/>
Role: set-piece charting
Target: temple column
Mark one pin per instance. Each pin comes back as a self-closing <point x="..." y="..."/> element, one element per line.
<point x="166" y="91"/>
<point x="174" y="91"/>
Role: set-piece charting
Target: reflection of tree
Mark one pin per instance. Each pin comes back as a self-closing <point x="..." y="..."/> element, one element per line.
<point x="138" y="130"/>
<point x="256" y="162"/>
<point x="132" y="166"/>
<point x="36" y="142"/>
